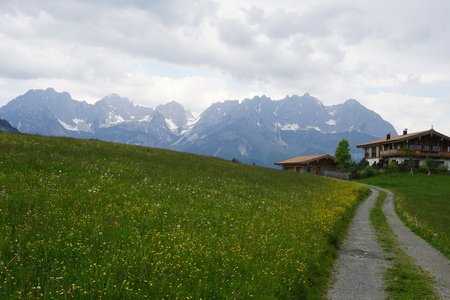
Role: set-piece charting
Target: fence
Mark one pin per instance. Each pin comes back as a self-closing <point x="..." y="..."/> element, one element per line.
<point x="335" y="174"/>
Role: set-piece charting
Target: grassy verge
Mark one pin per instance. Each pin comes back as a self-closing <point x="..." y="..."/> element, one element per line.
<point x="423" y="203"/>
<point x="89" y="219"/>
<point x="404" y="280"/>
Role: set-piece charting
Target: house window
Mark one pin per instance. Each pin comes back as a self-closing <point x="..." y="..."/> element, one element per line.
<point x="374" y="152"/>
<point x="426" y="148"/>
<point x="436" y="149"/>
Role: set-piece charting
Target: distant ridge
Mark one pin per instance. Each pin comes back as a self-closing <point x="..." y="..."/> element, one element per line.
<point x="6" y="127"/>
<point x="258" y="130"/>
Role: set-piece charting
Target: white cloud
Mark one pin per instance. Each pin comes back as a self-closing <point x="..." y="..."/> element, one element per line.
<point x="414" y="113"/>
<point x="208" y="51"/>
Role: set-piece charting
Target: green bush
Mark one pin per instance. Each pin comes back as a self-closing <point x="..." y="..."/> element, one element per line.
<point x="427" y="165"/>
<point x="355" y="174"/>
<point x="406" y="165"/>
<point x="392" y="167"/>
<point x="368" y="172"/>
<point x="443" y="168"/>
<point x="363" y="163"/>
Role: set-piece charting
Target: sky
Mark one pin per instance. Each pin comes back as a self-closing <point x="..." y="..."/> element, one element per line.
<point x="393" y="56"/>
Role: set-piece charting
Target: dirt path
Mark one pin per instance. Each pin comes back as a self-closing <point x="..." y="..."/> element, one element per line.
<point x="426" y="257"/>
<point x="360" y="265"/>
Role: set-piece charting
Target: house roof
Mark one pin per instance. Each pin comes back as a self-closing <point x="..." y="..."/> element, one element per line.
<point x="304" y="159"/>
<point x="404" y="137"/>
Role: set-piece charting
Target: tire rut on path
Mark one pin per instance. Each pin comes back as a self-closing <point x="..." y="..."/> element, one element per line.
<point x="428" y="258"/>
<point x="360" y="266"/>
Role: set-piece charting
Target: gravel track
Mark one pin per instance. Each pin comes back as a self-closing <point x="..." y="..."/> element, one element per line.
<point x="428" y="258"/>
<point x="359" y="268"/>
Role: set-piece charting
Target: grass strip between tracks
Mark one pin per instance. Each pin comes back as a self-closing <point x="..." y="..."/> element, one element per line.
<point x="404" y="279"/>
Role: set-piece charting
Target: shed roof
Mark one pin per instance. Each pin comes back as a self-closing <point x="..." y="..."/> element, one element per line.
<point x="404" y="137"/>
<point x="304" y="159"/>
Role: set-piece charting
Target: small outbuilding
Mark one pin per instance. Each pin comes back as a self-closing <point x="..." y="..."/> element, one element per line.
<point x="315" y="164"/>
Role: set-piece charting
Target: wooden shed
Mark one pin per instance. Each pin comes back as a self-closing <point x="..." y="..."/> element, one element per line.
<point x="315" y="164"/>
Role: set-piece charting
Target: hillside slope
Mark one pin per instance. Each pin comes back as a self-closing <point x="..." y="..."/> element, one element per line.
<point x="93" y="219"/>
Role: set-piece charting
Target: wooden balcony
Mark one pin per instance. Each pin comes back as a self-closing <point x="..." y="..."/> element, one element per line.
<point x="404" y="153"/>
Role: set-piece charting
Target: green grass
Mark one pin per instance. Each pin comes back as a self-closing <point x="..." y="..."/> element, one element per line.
<point x="423" y="203"/>
<point x="404" y="280"/>
<point x="101" y="220"/>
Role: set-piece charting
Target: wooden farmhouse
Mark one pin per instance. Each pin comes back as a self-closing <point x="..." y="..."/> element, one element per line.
<point x="315" y="164"/>
<point x="417" y="146"/>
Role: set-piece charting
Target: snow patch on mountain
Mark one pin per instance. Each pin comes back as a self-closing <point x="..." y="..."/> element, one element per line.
<point x="171" y="125"/>
<point x="146" y="119"/>
<point x="68" y="126"/>
<point x="292" y="127"/>
<point x="113" y="119"/>
<point x="331" y="122"/>
<point x="314" y="127"/>
<point x="79" y="125"/>
<point x="192" y="121"/>
<point x="243" y="151"/>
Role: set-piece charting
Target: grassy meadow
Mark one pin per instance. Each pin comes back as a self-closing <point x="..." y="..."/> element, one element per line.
<point x="92" y="219"/>
<point x="423" y="203"/>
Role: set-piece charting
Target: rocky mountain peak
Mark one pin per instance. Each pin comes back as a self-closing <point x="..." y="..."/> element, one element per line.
<point x="305" y="99"/>
<point x="351" y="102"/>
<point x="48" y="94"/>
<point x="175" y="114"/>
<point x="116" y="101"/>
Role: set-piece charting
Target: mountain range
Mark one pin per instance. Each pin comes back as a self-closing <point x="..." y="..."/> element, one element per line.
<point x="258" y="130"/>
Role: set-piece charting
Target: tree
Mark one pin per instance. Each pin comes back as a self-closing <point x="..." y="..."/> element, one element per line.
<point x="342" y="154"/>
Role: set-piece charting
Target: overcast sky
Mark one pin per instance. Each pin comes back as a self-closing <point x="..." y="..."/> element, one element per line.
<point x="391" y="55"/>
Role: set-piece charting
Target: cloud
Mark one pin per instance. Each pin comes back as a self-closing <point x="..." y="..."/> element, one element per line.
<point x="147" y="90"/>
<point x="209" y="50"/>
<point x="414" y="113"/>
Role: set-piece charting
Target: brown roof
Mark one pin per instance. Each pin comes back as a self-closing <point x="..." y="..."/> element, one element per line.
<point x="404" y="137"/>
<point x="304" y="159"/>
